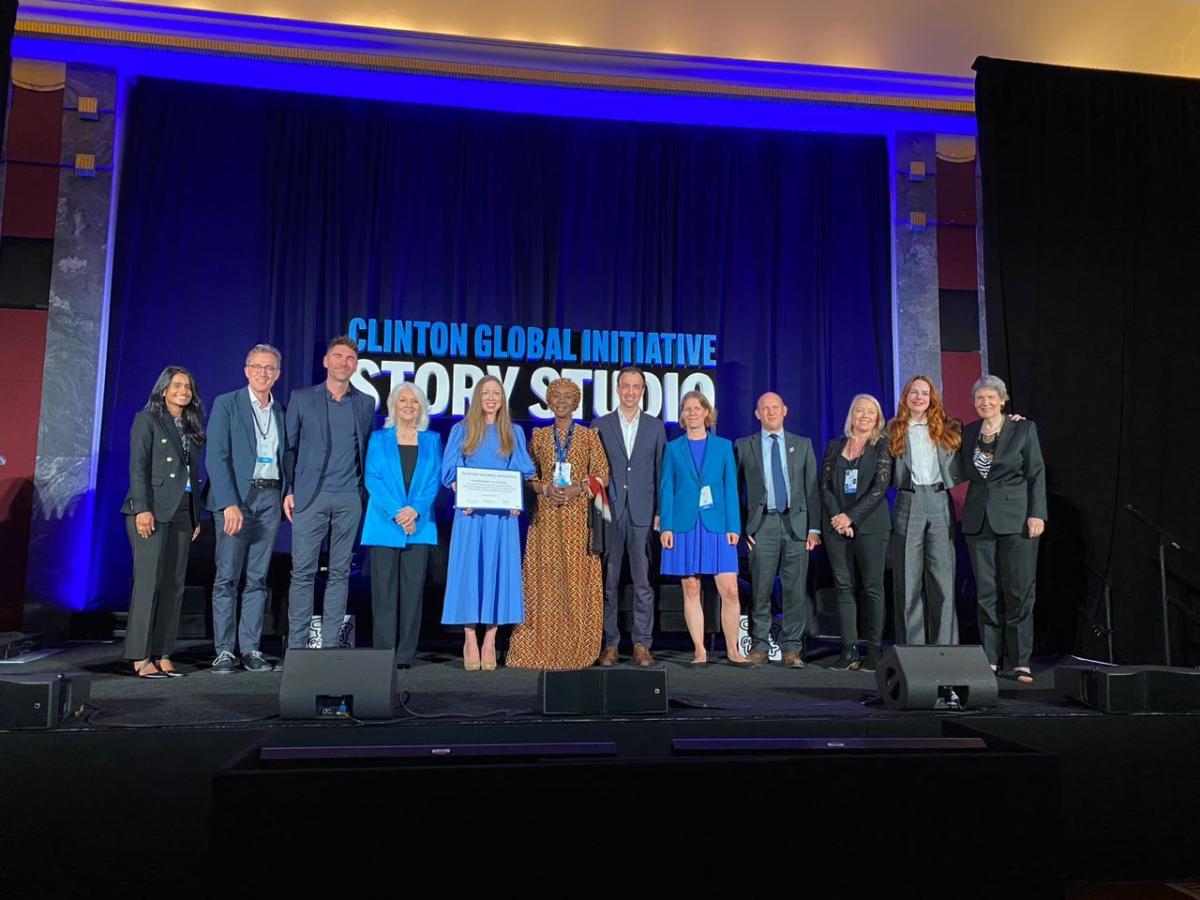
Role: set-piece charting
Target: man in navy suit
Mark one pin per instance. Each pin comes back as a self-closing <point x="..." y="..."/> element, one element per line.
<point x="782" y="519"/>
<point x="327" y="430"/>
<point x="245" y="482"/>
<point x="634" y="445"/>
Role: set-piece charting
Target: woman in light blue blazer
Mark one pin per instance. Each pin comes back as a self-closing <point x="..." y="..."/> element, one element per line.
<point x="700" y="521"/>
<point x="403" y="473"/>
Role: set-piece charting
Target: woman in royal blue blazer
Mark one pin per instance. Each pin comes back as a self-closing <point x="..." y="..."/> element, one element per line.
<point x="700" y="522"/>
<point x="403" y="474"/>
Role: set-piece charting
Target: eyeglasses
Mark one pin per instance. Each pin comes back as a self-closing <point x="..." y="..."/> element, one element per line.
<point x="263" y="370"/>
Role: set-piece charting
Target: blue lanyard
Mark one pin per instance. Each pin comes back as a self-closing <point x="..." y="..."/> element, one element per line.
<point x="699" y="467"/>
<point x="561" y="450"/>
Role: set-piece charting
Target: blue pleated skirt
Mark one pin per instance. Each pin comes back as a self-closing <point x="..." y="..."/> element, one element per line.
<point x="700" y="552"/>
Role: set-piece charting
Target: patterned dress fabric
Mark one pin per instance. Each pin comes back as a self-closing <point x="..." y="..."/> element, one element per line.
<point x="564" y="588"/>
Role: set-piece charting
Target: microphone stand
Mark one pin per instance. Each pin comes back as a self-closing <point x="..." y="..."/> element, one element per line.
<point x="1165" y="540"/>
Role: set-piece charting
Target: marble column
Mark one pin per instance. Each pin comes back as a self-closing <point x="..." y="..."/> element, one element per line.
<point x="918" y="318"/>
<point x="59" y="577"/>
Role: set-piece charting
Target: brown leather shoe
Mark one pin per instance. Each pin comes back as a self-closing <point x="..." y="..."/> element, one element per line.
<point x="641" y="656"/>
<point x="792" y="660"/>
<point x="758" y="657"/>
<point x="609" y="656"/>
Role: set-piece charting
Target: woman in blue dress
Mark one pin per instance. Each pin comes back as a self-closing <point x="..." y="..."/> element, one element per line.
<point x="698" y="513"/>
<point x="483" y="578"/>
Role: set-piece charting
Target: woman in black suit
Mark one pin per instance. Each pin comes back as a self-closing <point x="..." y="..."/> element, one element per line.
<point x="854" y="481"/>
<point x="161" y="516"/>
<point x="1003" y="516"/>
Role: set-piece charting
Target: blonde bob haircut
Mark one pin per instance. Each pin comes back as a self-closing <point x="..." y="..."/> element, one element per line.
<point x="710" y="411"/>
<point x="409" y="387"/>
<point x="877" y="431"/>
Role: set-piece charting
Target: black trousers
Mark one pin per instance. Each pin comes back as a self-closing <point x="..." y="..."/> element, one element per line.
<point x="858" y="565"/>
<point x="397" y="594"/>
<point x="1005" y="609"/>
<point x="159" y="567"/>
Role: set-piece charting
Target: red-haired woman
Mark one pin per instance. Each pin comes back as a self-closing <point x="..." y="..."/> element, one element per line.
<point x="924" y="444"/>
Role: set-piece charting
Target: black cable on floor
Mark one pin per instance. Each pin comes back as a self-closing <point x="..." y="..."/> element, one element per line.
<point x="403" y="699"/>
<point x="91" y="721"/>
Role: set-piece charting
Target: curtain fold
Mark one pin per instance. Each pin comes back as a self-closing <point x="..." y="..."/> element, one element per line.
<point x="251" y="216"/>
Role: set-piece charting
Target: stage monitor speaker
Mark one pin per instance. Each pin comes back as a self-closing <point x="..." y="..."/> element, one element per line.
<point x="42" y="701"/>
<point x="936" y="677"/>
<point x="603" y="691"/>
<point x="1128" y="689"/>
<point x="338" y="684"/>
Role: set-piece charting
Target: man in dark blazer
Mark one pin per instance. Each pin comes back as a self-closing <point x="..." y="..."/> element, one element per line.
<point x="782" y="516"/>
<point x="633" y="442"/>
<point x="246" y="444"/>
<point x="327" y="428"/>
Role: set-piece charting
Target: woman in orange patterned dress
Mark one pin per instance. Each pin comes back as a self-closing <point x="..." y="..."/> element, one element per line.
<point x="564" y="588"/>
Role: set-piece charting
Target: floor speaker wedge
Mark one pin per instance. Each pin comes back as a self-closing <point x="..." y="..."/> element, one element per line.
<point x="338" y="684"/>
<point x="936" y="677"/>
<point x="1128" y="689"/>
<point x="603" y="691"/>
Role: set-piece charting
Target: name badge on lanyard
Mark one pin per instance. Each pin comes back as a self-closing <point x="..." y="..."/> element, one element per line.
<point x="706" y="499"/>
<point x="850" y="485"/>
<point x="265" y="451"/>
<point x="562" y="468"/>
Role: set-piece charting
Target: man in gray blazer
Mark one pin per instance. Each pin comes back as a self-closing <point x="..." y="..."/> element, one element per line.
<point x="327" y="430"/>
<point x="245" y="483"/>
<point x="633" y="443"/>
<point x="782" y="516"/>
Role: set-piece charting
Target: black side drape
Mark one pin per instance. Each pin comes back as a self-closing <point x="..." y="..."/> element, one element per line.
<point x="1091" y="196"/>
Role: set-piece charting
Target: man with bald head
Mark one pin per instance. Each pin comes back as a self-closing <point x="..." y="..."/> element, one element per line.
<point x="781" y="516"/>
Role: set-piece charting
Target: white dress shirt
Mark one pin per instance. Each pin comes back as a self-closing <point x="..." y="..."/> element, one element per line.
<point x="924" y="462"/>
<point x="265" y="435"/>
<point x="629" y="429"/>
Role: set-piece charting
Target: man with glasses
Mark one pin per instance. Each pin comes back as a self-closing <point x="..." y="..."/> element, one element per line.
<point x="246" y="441"/>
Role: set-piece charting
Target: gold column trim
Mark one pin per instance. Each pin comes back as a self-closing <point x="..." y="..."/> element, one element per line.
<point x="33" y="75"/>
<point x="491" y="73"/>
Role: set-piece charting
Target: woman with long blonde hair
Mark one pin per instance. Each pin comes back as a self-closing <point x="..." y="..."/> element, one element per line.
<point x="854" y="482"/>
<point x="483" y="577"/>
<point x="924" y="444"/>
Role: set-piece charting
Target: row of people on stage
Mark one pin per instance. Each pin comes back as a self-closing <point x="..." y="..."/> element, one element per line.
<point x="320" y="464"/>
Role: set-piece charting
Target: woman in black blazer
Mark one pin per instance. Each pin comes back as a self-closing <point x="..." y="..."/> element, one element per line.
<point x="1003" y="516"/>
<point x="161" y="516"/>
<point x="854" y="481"/>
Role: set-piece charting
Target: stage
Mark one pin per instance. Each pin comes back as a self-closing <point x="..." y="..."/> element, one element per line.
<point x="439" y="690"/>
<point x="169" y="771"/>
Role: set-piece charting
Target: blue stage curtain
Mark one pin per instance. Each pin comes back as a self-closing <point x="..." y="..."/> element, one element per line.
<point x="251" y="216"/>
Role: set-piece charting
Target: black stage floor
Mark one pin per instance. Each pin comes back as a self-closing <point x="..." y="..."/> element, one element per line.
<point x="437" y="689"/>
<point x="140" y="789"/>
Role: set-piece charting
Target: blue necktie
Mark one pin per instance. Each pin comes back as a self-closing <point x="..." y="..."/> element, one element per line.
<point x="781" y="497"/>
